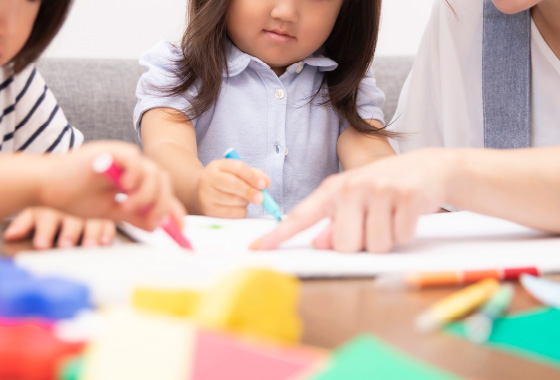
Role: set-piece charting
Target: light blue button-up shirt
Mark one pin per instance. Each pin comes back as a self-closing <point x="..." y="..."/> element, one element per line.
<point x="266" y="118"/>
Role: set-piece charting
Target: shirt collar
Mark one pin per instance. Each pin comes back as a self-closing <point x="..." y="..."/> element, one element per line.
<point x="238" y="61"/>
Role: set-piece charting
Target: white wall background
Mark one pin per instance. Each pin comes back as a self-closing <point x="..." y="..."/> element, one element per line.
<point x="126" y="28"/>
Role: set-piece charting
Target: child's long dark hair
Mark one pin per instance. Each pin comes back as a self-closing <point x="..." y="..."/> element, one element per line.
<point x="50" y="18"/>
<point x="351" y="44"/>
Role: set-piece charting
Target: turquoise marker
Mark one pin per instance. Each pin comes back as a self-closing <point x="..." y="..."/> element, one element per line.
<point x="479" y="326"/>
<point x="268" y="202"/>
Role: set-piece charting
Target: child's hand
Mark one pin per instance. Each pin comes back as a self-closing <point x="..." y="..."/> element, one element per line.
<point x="46" y="223"/>
<point x="226" y="187"/>
<point x="70" y="185"/>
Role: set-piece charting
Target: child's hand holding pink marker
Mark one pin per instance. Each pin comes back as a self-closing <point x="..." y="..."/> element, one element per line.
<point x="171" y="223"/>
<point x="69" y="184"/>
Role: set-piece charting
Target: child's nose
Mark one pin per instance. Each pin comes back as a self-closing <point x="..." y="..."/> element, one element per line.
<point x="285" y="10"/>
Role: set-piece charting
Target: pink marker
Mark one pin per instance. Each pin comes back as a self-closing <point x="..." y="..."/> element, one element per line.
<point x="104" y="164"/>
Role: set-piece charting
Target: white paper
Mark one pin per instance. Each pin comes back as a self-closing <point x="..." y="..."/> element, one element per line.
<point x="450" y="241"/>
<point x="458" y="240"/>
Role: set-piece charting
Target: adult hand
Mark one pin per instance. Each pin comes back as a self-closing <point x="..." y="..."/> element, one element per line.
<point x="374" y="207"/>
<point x="227" y="186"/>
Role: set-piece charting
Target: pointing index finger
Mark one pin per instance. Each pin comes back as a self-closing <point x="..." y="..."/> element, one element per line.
<point x="307" y="213"/>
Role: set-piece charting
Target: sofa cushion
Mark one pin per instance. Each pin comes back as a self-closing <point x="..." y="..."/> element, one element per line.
<point x="97" y="95"/>
<point x="390" y="73"/>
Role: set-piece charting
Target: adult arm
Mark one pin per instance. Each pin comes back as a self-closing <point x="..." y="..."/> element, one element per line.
<point x="376" y="207"/>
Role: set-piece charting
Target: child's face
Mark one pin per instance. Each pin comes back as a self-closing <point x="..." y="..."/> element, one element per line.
<point x="514" y="6"/>
<point x="16" y="23"/>
<point x="281" y="32"/>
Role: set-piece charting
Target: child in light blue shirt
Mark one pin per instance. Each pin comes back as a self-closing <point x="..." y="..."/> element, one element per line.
<point x="284" y="82"/>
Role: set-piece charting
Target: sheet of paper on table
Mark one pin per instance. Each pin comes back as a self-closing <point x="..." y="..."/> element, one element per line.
<point x="459" y="240"/>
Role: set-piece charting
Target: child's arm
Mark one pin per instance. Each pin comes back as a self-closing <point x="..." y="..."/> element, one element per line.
<point x="223" y="188"/>
<point x="69" y="184"/>
<point x="356" y="149"/>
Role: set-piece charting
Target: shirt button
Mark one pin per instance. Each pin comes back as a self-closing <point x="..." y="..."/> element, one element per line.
<point x="286" y="153"/>
<point x="299" y="68"/>
<point x="279" y="94"/>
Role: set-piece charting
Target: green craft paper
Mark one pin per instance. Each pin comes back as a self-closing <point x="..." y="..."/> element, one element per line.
<point x="534" y="334"/>
<point x="72" y="369"/>
<point x="366" y="357"/>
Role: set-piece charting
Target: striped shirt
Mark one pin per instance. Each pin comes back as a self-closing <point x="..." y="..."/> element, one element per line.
<point x="31" y="119"/>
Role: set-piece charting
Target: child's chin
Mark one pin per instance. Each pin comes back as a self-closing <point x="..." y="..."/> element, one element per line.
<point x="511" y="7"/>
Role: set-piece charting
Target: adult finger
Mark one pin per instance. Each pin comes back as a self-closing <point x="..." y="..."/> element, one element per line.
<point x="379" y="223"/>
<point x="308" y="212"/>
<point x="348" y="229"/>
<point x="324" y="239"/>
<point x="405" y="219"/>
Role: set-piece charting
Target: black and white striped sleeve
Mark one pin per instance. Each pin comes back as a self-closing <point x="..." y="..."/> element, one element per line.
<point x="34" y="120"/>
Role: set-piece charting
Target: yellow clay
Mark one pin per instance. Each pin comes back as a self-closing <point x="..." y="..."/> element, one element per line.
<point x="257" y="302"/>
<point x="180" y="303"/>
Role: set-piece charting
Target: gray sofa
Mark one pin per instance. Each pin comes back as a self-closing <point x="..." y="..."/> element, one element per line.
<point x="97" y="96"/>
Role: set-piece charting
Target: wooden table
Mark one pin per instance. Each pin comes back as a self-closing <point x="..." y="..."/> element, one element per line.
<point x="334" y="311"/>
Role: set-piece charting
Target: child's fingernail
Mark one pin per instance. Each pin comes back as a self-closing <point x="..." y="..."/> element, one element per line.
<point x="41" y="243"/>
<point x="106" y="240"/>
<point x="261" y="184"/>
<point x="89" y="243"/>
<point x="257" y="198"/>
<point x="255" y="245"/>
<point x="64" y="243"/>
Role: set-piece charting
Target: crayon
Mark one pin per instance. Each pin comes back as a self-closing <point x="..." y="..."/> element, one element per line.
<point x="452" y="278"/>
<point x="479" y="326"/>
<point x="268" y="203"/>
<point x="456" y="305"/>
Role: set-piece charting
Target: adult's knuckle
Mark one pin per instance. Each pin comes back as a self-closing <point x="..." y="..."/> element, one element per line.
<point x="352" y="186"/>
<point x="329" y="183"/>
